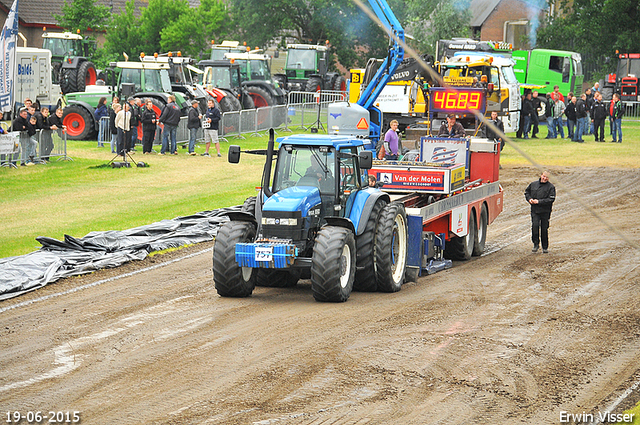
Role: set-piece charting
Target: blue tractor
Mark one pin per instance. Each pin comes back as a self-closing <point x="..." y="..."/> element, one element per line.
<point x="319" y="219"/>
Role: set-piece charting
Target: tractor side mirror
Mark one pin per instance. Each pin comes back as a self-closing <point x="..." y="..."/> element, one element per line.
<point x="276" y="54"/>
<point x="234" y="154"/>
<point x="366" y="160"/>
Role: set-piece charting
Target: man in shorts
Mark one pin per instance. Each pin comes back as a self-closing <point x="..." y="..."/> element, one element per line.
<point x="210" y="125"/>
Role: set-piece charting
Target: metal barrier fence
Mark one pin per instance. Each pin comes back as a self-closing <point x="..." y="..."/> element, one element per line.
<point x="328" y="96"/>
<point x="17" y="147"/>
<point x="631" y="111"/>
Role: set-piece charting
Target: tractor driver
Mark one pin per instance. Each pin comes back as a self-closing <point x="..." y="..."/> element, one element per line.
<point x="320" y="174"/>
<point x="451" y="128"/>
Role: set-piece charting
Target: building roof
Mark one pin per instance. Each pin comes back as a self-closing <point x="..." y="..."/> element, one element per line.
<point x="33" y="12"/>
<point x="480" y="11"/>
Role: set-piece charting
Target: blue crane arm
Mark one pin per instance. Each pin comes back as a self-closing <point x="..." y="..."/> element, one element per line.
<point x="394" y="57"/>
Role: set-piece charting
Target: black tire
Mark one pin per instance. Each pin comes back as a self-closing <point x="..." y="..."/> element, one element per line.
<point x="229" y="104"/>
<point x="231" y="280"/>
<point x="340" y="84"/>
<point x="87" y="75"/>
<point x="365" y="280"/>
<point x="607" y="93"/>
<point x="79" y="122"/>
<point x="69" y="80"/>
<point x="260" y="96"/>
<point x="247" y="101"/>
<point x="481" y="233"/>
<point x="314" y="84"/>
<point x="271" y="278"/>
<point x="249" y="205"/>
<point x="461" y="248"/>
<point x="391" y="248"/>
<point x="333" y="264"/>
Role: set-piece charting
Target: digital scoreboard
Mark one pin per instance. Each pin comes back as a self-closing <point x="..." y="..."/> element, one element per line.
<point x="457" y="100"/>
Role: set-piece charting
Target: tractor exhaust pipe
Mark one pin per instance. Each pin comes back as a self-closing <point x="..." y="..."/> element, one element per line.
<point x="266" y="176"/>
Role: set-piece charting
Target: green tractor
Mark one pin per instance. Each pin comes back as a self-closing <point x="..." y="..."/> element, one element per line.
<point x="70" y="59"/>
<point x="149" y="80"/>
<point x="306" y="69"/>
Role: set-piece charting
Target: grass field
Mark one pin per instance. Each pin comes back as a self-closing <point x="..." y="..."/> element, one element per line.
<point x="75" y="197"/>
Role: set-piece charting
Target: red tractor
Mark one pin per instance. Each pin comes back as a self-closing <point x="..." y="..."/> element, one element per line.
<point x="625" y="80"/>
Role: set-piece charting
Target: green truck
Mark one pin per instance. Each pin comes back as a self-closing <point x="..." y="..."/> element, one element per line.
<point x="549" y="68"/>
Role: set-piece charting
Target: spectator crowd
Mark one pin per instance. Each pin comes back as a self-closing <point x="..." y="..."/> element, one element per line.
<point x="586" y="114"/>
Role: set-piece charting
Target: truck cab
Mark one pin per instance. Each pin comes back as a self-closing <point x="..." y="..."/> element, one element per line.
<point x="544" y="67"/>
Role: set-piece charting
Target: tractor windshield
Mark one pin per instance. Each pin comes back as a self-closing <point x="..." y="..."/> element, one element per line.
<point x="628" y="67"/>
<point x="157" y="80"/>
<point x="259" y="70"/>
<point x="301" y="59"/>
<point x="253" y="69"/>
<point x="305" y="166"/>
<point x="218" y="77"/>
<point x="63" y="47"/>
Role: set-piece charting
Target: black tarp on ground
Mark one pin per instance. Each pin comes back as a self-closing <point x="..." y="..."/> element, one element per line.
<point x="99" y="250"/>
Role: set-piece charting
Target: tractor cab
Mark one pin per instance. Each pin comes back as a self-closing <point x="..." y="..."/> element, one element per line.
<point x="146" y="77"/>
<point x="218" y="51"/>
<point x="220" y="73"/>
<point x="253" y="66"/>
<point x="66" y="44"/>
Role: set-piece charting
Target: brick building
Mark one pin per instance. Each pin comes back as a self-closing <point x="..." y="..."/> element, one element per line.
<point x="511" y="21"/>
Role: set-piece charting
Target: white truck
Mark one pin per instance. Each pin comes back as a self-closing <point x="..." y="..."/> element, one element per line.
<point x="32" y="78"/>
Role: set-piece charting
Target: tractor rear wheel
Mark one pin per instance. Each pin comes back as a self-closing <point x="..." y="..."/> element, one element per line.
<point x="461" y="248"/>
<point x="333" y="264"/>
<point x="230" y="279"/>
<point x="260" y="96"/>
<point x="340" y="84"/>
<point x="391" y="248"/>
<point x="247" y="101"/>
<point x="314" y="84"/>
<point x="69" y="80"/>
<point x="366" y="250"/>
<point x="79" y="122"/>
<point x="87" y="75"/>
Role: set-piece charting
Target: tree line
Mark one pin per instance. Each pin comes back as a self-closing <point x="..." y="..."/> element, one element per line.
<point x="594" y="28"/>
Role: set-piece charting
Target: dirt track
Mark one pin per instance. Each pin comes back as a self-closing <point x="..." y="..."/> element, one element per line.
<point x="510" y="337"/>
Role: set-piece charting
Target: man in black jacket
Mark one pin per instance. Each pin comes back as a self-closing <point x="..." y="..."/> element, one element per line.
<point x="193" y="124"/>
<point x="527" y="112"/>
<point x="540" y="194"/>
<point x="598" y="115"/>
<point x="570" y="112"/>
<point x="27" y="127"/>
<point x="581" y="118"/>
<point x="170" y="117"/>
<point x="535" y="120"/>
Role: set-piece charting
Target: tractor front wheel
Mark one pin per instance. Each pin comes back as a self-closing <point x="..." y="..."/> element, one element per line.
<point x="333" y="264"/>
<point x="230" y="279"/>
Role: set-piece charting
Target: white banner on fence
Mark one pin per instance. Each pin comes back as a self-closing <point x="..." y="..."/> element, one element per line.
<point x="9" y="142"/>
<point x="8" y="40"/>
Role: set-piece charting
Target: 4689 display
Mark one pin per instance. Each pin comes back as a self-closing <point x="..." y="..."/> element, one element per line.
<point x="47" y="417"/>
